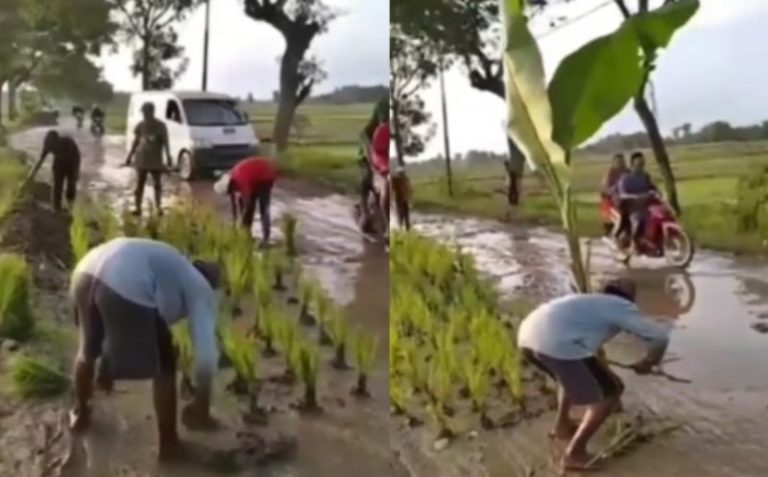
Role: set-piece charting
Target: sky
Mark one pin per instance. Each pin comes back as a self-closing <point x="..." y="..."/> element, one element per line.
<point x="244" y="52"/>
<point x="714" y="69"/>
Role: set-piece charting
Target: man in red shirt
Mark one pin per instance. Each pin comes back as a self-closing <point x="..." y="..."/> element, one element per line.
<point x="379" y="157"/>
<point x="249" y="182"/>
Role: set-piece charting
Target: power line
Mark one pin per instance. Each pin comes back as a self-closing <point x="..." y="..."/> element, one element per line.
<point x="575" y="19"/>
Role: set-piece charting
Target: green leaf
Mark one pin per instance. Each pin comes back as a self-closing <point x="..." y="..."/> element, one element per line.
<point x="530" y="114"/>
<point x="594" y="83"/>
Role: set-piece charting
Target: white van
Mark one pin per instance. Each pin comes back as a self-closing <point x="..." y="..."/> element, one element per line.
<point x="206" y="131"/>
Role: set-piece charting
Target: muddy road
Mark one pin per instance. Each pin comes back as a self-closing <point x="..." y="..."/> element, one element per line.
<point x="716" y="309"/>
<point x="350" y="438"/>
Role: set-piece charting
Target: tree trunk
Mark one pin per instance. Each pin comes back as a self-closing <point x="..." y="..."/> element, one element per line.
<point x="517" y="166"/>
<point x="12" y="110"/>
<point x="145" y="63"/>
<point x="659" y="150"/>
<point x="286" y="106"/>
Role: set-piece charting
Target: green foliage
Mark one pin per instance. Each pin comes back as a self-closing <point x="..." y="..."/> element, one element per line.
<point x="183" y="347"/>
<point x="109" y="226"/>
<point x="32" y="378"/>
<point x="238" y="263"/>
<point x="241" y="352"/>
<point x="16" y="316"/>
<point x="365" y="346"/>
<point x="79" y="234"/>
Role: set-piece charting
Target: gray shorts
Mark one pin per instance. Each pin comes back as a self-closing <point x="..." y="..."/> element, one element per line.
<point x="134" y="339"/>
<point x="585" y="381"/>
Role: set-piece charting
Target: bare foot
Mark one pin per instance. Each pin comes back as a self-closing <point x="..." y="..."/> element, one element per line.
<point x="79" y="421"/>
<point x="578" y="463"/>
<point x="565" y="432"/>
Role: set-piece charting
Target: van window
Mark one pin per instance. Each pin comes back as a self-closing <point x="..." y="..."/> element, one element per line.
<point x="173" y="112"/>
<point x="213" y="112"/>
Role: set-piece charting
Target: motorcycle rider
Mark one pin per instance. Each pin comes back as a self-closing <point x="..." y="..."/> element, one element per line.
<point x="97" y="117"/>
<point x="608" y="193"/>
<point x="380" y="111"/>
<point x="78" y="112"/>
<point x="634" y="189"/>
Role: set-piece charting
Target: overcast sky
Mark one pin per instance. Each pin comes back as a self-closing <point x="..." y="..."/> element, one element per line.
<point x="715" y="68"/>
<point x="244" y="52"/>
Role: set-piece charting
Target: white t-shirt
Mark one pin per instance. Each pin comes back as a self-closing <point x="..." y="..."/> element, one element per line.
<point x="576" y="326"/>
<point x="156" y="275"/>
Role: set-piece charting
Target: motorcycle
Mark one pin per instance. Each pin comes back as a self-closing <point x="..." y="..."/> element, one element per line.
<point x="97" y="127"/>
<point x="79" y="119"/>
<point x="662" y="236"/>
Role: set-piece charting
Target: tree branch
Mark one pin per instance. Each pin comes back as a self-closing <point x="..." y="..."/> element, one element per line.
<point x="642" y="6"/>
<point x="623" y="7"/>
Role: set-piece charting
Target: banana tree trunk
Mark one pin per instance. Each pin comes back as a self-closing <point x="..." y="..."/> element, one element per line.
<point x="659" y="149"/>
<point x="515" y="172"/>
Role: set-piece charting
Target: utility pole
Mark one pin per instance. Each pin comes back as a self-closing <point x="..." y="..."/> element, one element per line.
<point x="446" y="142"/>
<point x="205" y="43"/>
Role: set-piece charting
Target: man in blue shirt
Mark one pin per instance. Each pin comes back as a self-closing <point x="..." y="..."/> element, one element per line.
<point x="634" y="190"/>
<point x="563" y="338"/>
<point x="126" y="294"/>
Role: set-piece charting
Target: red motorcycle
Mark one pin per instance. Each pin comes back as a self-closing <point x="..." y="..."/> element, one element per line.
<point x="662" y="234"/>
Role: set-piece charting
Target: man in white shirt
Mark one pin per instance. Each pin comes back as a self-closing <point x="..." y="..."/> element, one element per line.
<point x="126" y="294"/>
<point x="563" y="337"/>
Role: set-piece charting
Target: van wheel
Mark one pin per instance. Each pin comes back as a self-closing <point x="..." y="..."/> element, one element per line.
<point x="186" y="168"/>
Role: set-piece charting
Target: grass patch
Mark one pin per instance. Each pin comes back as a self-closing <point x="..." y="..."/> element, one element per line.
<point x="16" y="317"/>
<point x="333" y="166"/>
<point x="33" y="378"/>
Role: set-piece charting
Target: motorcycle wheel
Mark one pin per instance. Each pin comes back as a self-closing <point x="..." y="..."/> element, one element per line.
<point x="678" y="248"/>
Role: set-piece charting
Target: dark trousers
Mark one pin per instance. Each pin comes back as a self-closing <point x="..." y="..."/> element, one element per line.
<point x="263" y="196"/>
<point x="65" y="177"/>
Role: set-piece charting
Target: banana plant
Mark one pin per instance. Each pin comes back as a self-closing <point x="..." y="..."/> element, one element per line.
<point x="590" y="86"/>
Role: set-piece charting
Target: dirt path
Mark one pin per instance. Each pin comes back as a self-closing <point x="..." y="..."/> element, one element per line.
<point x="713" y="308"/>
<point x="350" y="438"/>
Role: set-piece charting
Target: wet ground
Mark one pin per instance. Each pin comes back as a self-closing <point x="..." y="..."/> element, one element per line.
<point x="715" y="308"/>
<point x="351" y="437"/>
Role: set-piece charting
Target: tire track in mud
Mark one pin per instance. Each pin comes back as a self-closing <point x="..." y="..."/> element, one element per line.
<point x="722" y="413"/>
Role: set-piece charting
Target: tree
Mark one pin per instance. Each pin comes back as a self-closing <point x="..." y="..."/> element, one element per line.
<point x="34" y="34"/>
<point x="299" y="21"/>
<point x="151" y="24"/>
<point x="73" y="77"/>
<point x="412" y="64"/>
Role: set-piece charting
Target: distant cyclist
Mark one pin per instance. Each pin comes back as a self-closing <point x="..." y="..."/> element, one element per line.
<point x="97" y="114"/>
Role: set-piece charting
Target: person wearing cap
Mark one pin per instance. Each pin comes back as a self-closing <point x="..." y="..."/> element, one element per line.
<point x="66" y="167"/>
<point x="249" y="184"/>
<point x="150" y="141"/>
<point x="126" y="294"/>
<point x="563" y="338"/>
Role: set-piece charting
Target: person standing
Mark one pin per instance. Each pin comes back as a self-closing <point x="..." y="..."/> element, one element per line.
<point x="126" y="293"/>
<point x="66" y="167"/>
<point x="150" y="141"/>
<point x="563" y="338"/>
<point x="249" y="184"/>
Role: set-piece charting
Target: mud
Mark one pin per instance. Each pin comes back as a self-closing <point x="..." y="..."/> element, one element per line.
<point x="722" y="412"/>
<point x="348" y="438"/>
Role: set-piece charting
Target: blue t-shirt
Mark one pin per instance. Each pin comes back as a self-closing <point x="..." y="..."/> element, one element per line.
<point x="576" y="326"/>
<point x="156" y="275"/>
<point x="636" y="183"/>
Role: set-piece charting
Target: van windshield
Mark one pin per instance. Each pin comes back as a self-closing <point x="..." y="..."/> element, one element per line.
<point x="212" y="112"/>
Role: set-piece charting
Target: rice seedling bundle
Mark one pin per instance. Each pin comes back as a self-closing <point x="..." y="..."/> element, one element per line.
<point x="109" y="227"/>
<point x="287" y="337"/>
<point x="267" y="327"/>
<point x="241" y="352"/>
<point x="365" y="346"/>
<point x="130" y="223"/>
<point x="262" y="287"/>
<point x="184" y="354"/>
<point x="16" y="316"/>
<point x="79" y="235"/>
<point x="177" y="230"/>
<point x="308" y="371"/>
<point x="34" y="378"/>
<point x="238" y="265"/>
<point x="338" y="330"/>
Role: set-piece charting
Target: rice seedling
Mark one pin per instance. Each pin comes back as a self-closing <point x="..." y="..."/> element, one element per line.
<point x="108" y="225"/>
<point x="278" y="266"/>
<point x="440" y="390"/>
<point x="176" y="229"/>
<point x="323" y="307"/>
<point x="308" y="371"/>
<point x="267" y="326"/>
<point x="338" y="330"/>
<point x="478" y="385"/>
<point x="365" y="346"/>
<point x="287" y="336"/>
<point x="513" y="378"/>
<point x="17" y="319"/>
<point x="33" y="378"/>
<point x="152" y="224"/>
<point x="130" y="223"/>
<point x="241" y="352"/>
<point x="238" y="268"/>
<point x="289" y="227"/>
<point x="184" y="356"/>
<point x="307" y="292"/>
<point x="398" y="396"/>
<point x="79" y="235"/>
